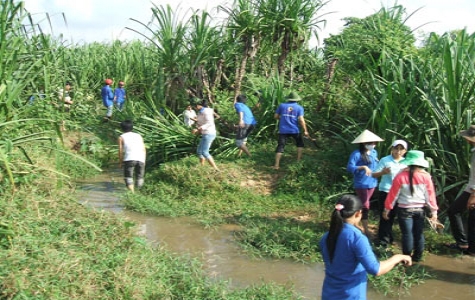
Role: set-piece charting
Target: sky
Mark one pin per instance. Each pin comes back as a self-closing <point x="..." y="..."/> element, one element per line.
<point x="105" y="20"/>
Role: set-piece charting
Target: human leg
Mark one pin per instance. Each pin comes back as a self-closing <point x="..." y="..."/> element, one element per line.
<point x="280" y="149"/>
<point x="140" y="171"/>
<point x="364" y="195"/>
<point x="456" y="221"/>
<point x="109" y="111"/>
<point x="385" y="228"/>
<point x="207" y="140"/>
<point x="418" y="234"/>
<point x="471" y="231"/>
<point x="406" y="223"/>
<point x="300" y="144"/>
<point x="129" y="168"/>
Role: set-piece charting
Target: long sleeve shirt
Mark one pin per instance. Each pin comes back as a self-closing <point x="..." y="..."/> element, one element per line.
<point x="424" y="192"/>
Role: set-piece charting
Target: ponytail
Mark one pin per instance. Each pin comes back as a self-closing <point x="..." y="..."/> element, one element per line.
<point x="346" y="207"/>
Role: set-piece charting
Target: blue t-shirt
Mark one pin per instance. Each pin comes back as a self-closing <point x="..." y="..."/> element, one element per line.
<point x="347" y="276"/>
<point x="360" y="179"/>
<point x="387" y="179"/>
<point x="119" y="93"/>
<point x="248" y="117"/>
<point x="289" y="113"/>
<point x="107" y="96"/>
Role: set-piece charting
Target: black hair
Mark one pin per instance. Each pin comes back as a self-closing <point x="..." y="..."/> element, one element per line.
<point x="351" y="204"/>
<point x="68" y="83"/>
<point x="364" y="153"/>
<point x="241" y="98"/>
<point x="127" y="125"/>
<point x="412" y="168"/>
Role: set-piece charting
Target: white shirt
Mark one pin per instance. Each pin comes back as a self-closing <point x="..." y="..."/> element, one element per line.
<point x="133" y="147"/>
<point x="188" y="115"/>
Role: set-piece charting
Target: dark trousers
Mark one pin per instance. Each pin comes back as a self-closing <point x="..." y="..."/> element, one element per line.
<point x="455" y="212"/>
<point x="411" y="222"/>
<point x="385" y="229"/>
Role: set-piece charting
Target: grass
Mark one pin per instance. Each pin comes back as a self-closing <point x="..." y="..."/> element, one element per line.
<point x="274" y="223"/>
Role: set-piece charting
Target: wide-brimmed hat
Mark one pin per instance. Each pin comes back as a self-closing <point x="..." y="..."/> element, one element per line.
<point x="469" y="134"/>
<point x="367" y="137"/>
<point x="399" y="142"/>
<point x="415" y="158"/>
<point x="293" y="96"/>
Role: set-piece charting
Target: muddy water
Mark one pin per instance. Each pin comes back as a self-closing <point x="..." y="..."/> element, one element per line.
<point x="222" y="258"/>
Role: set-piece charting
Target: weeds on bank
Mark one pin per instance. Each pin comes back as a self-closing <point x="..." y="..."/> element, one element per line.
<point x="51" y="247"/>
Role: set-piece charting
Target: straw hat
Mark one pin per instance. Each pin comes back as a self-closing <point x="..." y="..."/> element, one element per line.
<point x="367" y="137"/>
<point x="415" y="158"/>
<point x="469" y="134"/>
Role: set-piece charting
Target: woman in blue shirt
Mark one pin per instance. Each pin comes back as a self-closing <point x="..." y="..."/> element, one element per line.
<point x="348" y="255"/>
<point x="361" y="164"/>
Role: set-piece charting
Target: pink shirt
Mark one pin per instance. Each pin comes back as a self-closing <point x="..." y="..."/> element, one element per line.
<point x="424" y="192"/>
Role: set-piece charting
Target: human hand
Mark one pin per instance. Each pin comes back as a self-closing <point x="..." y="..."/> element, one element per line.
<point x="406" y="259"/>
<point x="367" y="170"/>
<point x="387" y="170"/>
<point x="386" y="214"/>
<point x="194" y="131"/>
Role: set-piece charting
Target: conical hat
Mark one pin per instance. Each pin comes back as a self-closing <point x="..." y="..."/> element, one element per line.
<point x="367" y="137"/>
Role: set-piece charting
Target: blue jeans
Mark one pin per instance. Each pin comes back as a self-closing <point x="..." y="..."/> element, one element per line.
<point x="204" y="145"/>
<point x="411" y="222"/>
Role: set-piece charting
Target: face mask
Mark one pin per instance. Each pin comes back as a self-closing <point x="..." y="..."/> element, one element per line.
<point x="370" y="147"/>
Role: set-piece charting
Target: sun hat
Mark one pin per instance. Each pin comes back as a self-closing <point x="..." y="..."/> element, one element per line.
<point x="293" y="96"/>
<point x="399" y="142"/>
<point x="415" y="158"/>
<point x="367" y="137"/>
<point x="469" y="134"/>
<point x="108" y="81"/>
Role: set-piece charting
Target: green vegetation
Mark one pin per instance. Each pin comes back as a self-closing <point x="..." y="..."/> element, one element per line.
<point x="53" y="248"/>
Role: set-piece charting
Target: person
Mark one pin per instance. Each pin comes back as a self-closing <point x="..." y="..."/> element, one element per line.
<point x="64" y="96"/>
<point x="189" y="116"/>
<point x="413" y="190"/>
<point x="388" y="167"/>
<point x="246" y="125"/>
<point x="132" y="154"/>
<point x="107" y="98"/>
<point x="361" y="164"/>
<point x="65" y="100"/>
<point x="465" y="240"/>
<point x="348" y="256"/>
<point x="290" y="115"/>
<point x="120" y="95"/>
<point x="207" y="129"/>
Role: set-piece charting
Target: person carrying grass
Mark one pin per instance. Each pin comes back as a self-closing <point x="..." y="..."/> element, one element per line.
<point x="246" y="125"/>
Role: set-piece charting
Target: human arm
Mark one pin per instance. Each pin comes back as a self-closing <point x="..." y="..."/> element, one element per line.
<point x="121" y="151"/>
<point x="241" y="119"/>
<point x="431" y="199"/>
<point x="387" y="265"/>
<point x="352" y="166"/>
<point x="392" y="196"/>
<point x="304" y="125"/>
<point x="381" y="169"/>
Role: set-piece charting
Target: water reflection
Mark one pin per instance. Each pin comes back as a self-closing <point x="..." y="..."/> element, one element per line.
<point x="223" y="259"/>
